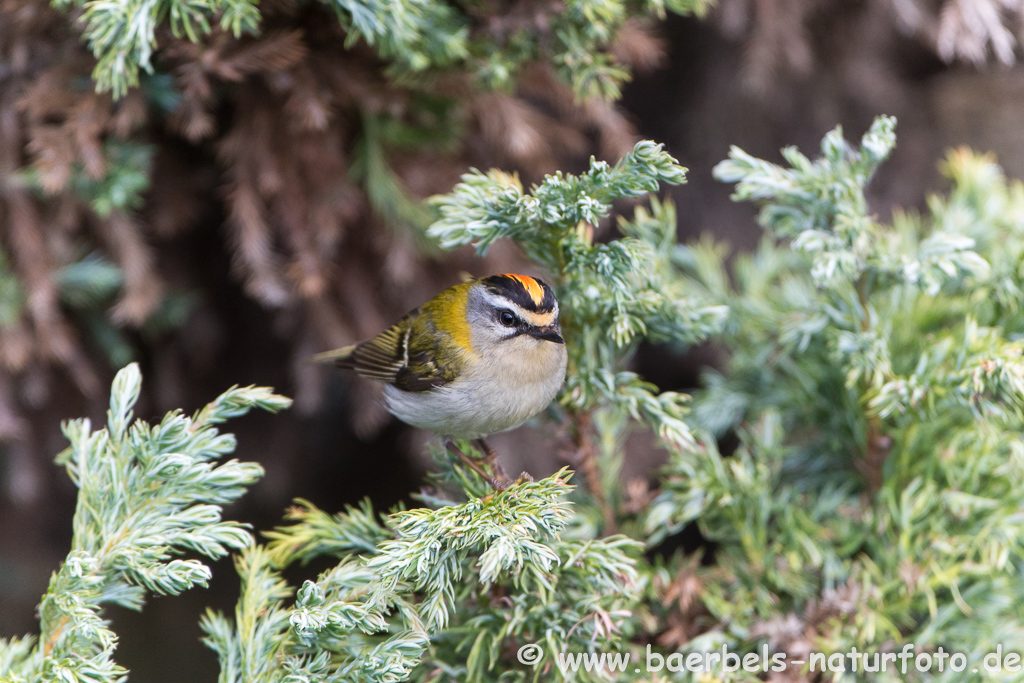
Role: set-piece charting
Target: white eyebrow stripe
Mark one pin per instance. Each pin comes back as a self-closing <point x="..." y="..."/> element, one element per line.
<point x="497" y="301"/>
<point x="536" y="319"/>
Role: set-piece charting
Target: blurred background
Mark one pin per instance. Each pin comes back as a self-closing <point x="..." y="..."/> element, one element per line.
<point x="255" y="201"/>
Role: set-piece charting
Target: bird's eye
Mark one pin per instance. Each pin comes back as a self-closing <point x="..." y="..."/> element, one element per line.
<point x="507" y="319"/>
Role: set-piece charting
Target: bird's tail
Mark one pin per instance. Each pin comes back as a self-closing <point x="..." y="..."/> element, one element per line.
<point x="342" y="356"/>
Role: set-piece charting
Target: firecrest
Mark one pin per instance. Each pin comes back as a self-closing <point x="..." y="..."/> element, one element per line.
<point x="480" y="357"/>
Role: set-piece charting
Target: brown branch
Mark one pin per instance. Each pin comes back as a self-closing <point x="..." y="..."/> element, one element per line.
<point x="55" y="635"/>
<point x="586" y="456"/>
<point x="878" y="444"/>
<point x="878" y="447"/>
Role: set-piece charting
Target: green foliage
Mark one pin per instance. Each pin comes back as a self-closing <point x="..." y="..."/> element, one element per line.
<point x="251" y="646"/>
<point x="88" y="287"/>
<point x="503" y="539"/>
<point x="122" y="33"/>
<point x="126" y="178"/>
<point x="415" y="34"/>
<point x="123" y="179"/>
<point x="874" y="379"/>
<point x="147" y="493"/>
<point x="370" y="168"/>
<point x="417" y="38"/>
<point x="408" y="595"/>
<point x="316" y="533"/>
<point x="113" y="187"/>
<point x="12" y="299"/>
<point x="821" y="206"/>
<point x="575" y="38"/>
<point x="91" y="282"/>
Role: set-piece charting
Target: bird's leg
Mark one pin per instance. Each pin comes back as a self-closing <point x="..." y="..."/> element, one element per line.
<point x="498" y="483"/>
<point x="468" y="461"/>
<point x="499" y="472"/>
<point x="491" y="456"/>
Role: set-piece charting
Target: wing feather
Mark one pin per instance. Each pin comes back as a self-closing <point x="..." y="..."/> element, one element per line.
<point x="386" y="358"/>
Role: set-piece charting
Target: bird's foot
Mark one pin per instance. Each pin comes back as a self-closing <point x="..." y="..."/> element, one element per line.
<point x="524" y="477"/>
<point x="497" y="478"/>
<point x="498" y="481"/>
<point x="501" y="483"/>
<point x="501" y="480"/>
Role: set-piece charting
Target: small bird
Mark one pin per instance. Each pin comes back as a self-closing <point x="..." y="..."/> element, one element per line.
<point x="481" y="357"/>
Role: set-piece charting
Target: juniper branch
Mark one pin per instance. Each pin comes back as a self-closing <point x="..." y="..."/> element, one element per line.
<point x="146" y="494"/>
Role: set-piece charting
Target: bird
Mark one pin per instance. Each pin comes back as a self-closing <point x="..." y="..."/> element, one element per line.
<point x="481" y="357"/>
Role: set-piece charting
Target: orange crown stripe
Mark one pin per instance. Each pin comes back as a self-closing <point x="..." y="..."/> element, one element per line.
<point x="531" y="286"/>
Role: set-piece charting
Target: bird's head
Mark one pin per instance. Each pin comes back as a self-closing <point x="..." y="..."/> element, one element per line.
<point x="513" y="310"/>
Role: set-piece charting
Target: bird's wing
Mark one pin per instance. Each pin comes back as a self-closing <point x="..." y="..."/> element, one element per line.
<point x="393" y="357"/>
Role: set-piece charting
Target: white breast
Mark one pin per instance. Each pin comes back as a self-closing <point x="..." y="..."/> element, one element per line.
<point x="499" y="393"/>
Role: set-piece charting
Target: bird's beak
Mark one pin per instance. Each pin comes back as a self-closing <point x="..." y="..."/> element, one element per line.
<point x="547" y="333"/>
